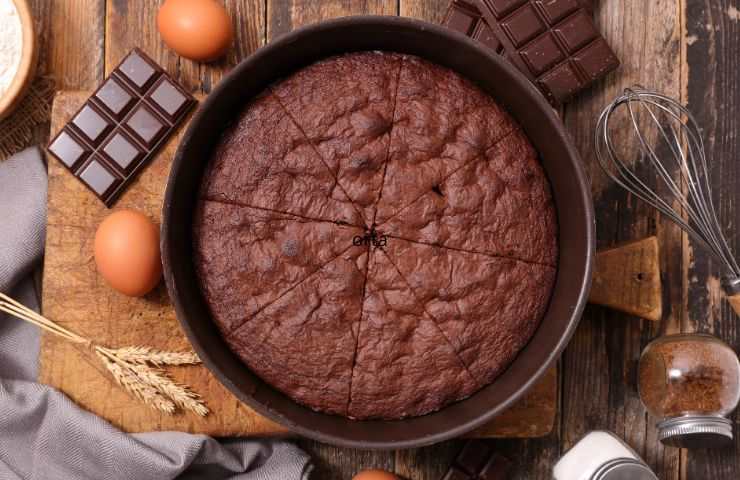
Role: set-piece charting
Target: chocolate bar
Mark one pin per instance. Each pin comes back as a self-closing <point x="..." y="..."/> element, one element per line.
<point x="121" y="126"/>
<point x="554" y="43"/>
<point x="477" y="461"/>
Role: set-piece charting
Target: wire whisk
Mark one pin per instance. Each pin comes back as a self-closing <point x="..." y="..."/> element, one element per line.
<point x="672" y="151"/>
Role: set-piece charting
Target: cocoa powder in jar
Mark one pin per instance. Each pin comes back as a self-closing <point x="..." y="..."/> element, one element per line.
<point x="689" y="374"/>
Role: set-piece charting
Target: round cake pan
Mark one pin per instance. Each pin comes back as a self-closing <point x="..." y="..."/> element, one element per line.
<point x="562" y="164"/>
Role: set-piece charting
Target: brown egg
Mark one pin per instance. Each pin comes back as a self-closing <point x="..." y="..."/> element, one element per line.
<point x="127" y="252"/>
<point x="374" y="475"/>
<point x="197" y="29"/>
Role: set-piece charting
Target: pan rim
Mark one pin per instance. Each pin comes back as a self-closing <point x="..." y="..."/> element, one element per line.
<point x="559" y="134"/>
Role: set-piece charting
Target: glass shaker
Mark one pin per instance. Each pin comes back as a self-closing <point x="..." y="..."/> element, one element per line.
<point x="601" y="455"/>
<point x="691" y="382"/>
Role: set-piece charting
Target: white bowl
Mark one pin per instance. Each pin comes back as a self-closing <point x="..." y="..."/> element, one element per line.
<point x="27" y="68"/>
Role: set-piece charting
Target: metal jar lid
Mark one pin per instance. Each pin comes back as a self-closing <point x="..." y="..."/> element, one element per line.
<point x="695" y="431"/>
<point x="624" y="469"/>
<point x="731" y="285"/>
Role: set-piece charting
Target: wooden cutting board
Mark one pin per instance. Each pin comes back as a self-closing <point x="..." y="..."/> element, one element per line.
<point x="76" y="297"/>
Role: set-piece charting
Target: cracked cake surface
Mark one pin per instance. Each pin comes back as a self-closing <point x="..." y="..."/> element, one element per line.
<point x="487" y="307"/>
<point x="237" y="248"/>
<point x="375" y="236"/>
<point x="283" y="173"/>
<point x="500" y="201"/>
<point x="399" y="341"/>
<point x="352" y="131"/>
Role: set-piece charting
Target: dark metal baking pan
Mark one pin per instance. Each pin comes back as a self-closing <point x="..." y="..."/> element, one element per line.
<point x="561" y="162"/>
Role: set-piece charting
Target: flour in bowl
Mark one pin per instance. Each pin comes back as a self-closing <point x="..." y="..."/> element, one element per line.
<point x="11" y="44"/>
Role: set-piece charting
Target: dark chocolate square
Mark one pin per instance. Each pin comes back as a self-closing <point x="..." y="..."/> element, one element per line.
<point x="461" y="18"/>
<point x="115" y="98"/>
<point x="145" y="125"/>
<point x="523" y="25"/>
<point x="137" y="70"/>
<point x="70" y="151"/>
<point x="576" y="31"/>
<point x="497" y="468"/>
<point x="502" y="7"/>
<point x="168" y="99"/>
<point x="92" y="124"/>
<point x="555" y="10"/>
<point x="455" y="473"/>
<point x="120" y="127"/>
<point x="542" y="54"/>
<point x="473" y="457"/>
<point x="100" y="180"/>
<point x="484" y="34"/>
<point x="539" y="36"/>
<point x="122" y="151"/>
<point x="596" y="59"/>
<point x="561" y="82"/>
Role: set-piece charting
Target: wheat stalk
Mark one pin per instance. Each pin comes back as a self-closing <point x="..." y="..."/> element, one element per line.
<point x="148" y="355"/>
<point x="182" y="397"/>
<point x="135" y="386"/>
<point x="136" y="369"/>
<point x="157" y="379"/>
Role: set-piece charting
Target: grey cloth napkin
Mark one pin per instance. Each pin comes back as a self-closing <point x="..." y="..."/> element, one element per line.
<point x="23" y="214"/>
<point x="43" y="435"/>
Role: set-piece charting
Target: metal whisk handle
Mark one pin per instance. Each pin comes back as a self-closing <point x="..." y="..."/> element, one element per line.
<point x="731" y="286"/>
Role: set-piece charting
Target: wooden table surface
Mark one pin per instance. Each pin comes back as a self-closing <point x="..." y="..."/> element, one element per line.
<point x="685" y="48"/>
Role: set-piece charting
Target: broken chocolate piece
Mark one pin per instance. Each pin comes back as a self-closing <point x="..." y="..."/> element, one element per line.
<point x="478" y="461"/>
<point x="554" y="43"/>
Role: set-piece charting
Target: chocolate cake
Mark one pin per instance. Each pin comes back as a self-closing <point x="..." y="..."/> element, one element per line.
<point x="376" y="237"/>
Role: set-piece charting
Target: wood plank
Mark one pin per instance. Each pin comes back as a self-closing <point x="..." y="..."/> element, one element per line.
<point x="428" y="463"/>
<point x="713" y="95"/>
<point x="430" y="10"/>
<point x="71" y="47"/>
<point x="532" y="416"/>
<point x="647" y="38"/>
<point x="286" y="15"/>
<point x="334" y="463"/>
<point x="132" y="23"/>
<point x="74" y="60"/>
<point x="71" y="222"/>
<point x="627" y="278"/>
<point x="533" y="458"/>
<point x="75" y="296"/>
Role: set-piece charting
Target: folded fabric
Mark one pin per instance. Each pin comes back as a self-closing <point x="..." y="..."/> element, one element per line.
<point x="43" y="434"/>
<point x="19" y="340"/>
<point x="23" y="214"/>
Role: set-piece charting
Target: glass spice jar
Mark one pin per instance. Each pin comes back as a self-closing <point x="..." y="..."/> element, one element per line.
<point x="691" y="382"/>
